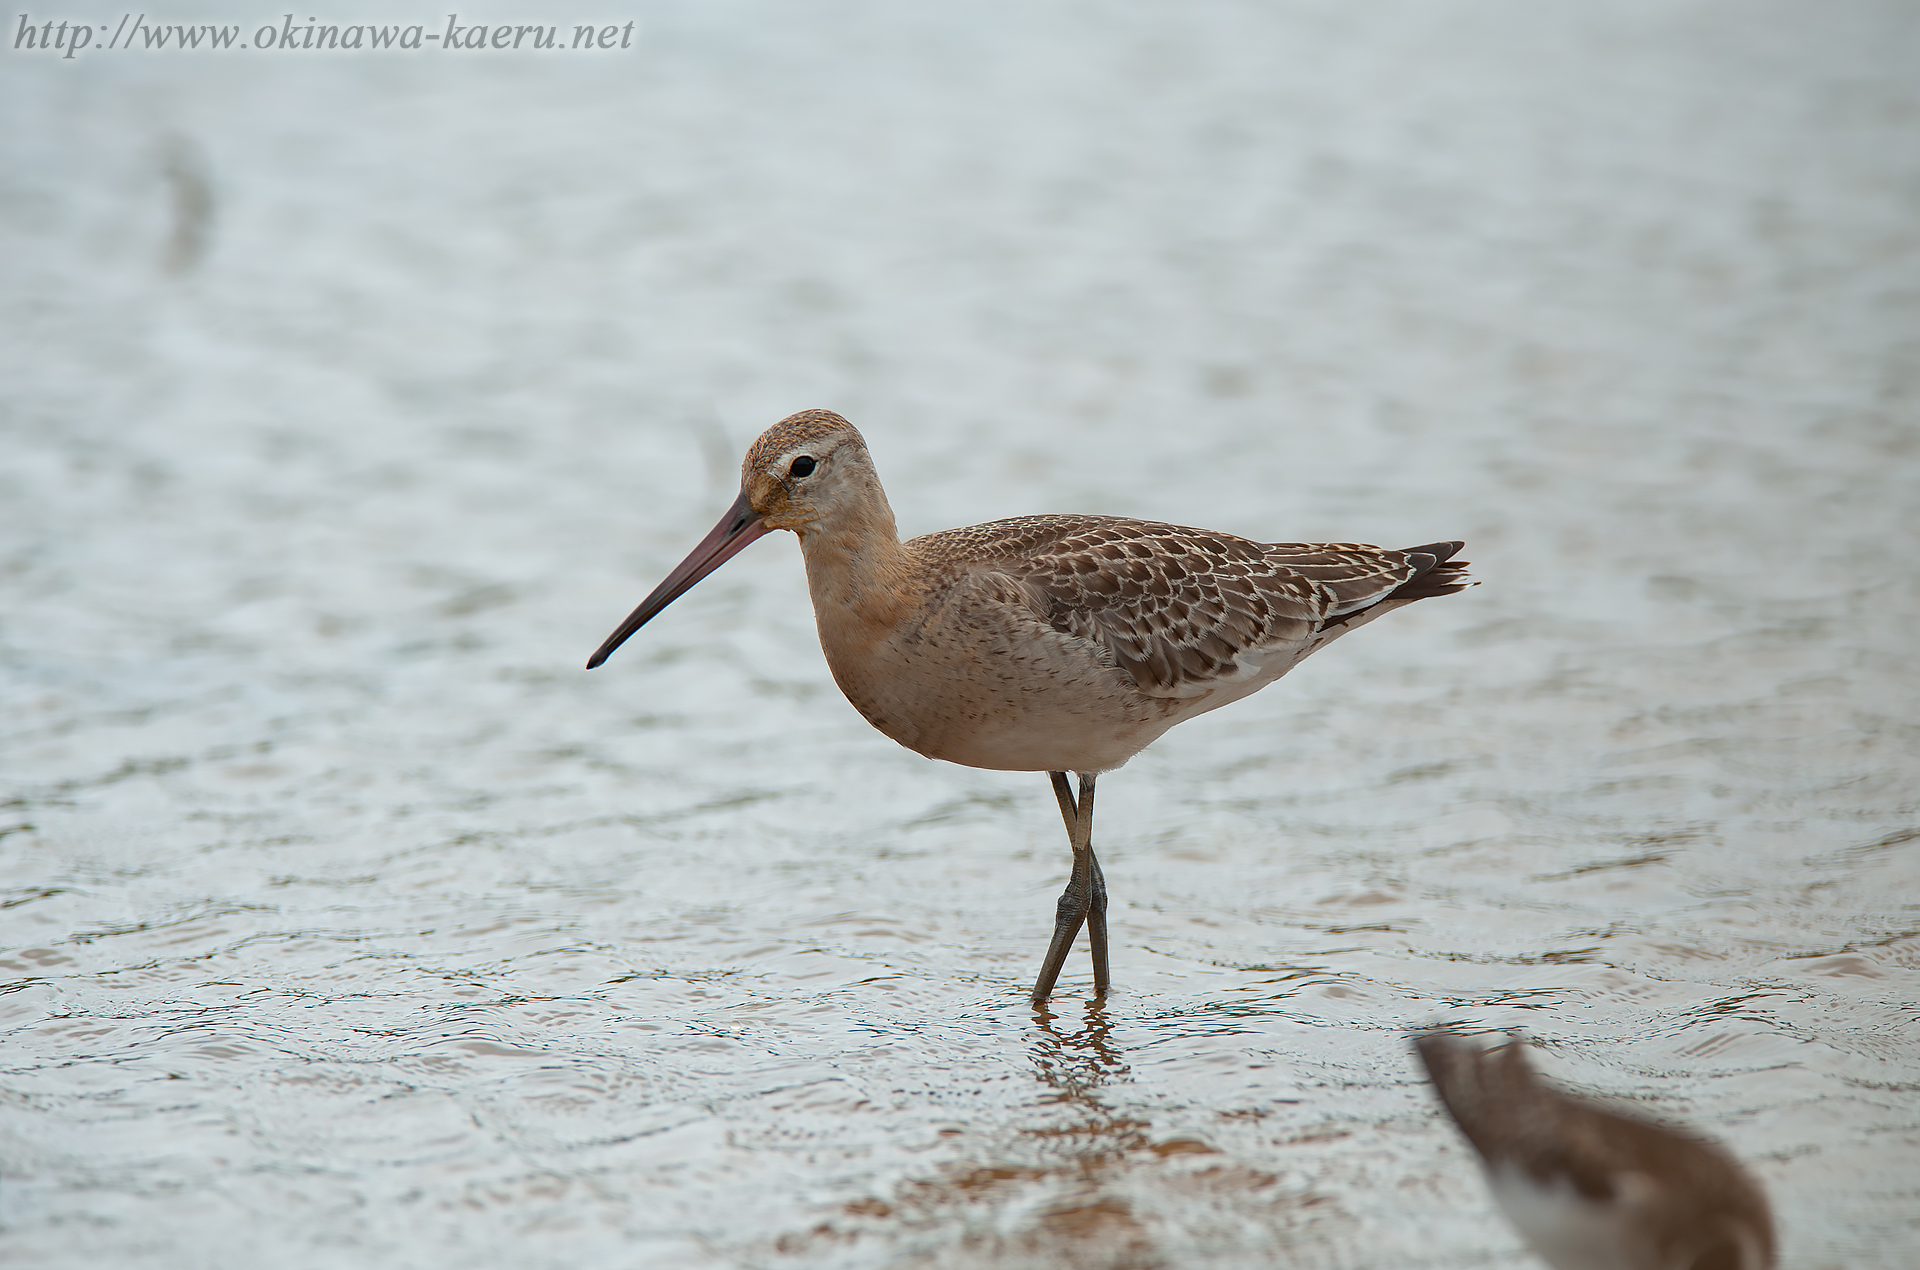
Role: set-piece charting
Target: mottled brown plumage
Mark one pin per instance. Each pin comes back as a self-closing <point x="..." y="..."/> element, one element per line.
<point x="1181" y="611"/>
<point x="1040" y="643"/>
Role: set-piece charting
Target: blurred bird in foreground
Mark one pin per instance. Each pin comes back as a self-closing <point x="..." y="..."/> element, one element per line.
<point x="1591" y="1189"/>
<point x="1041" y="643"/>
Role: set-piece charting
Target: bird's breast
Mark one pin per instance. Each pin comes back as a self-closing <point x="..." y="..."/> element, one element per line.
<point x="969" y="678"/>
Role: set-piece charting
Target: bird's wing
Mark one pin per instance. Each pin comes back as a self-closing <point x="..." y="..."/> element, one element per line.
<point x="1180" y="610"/>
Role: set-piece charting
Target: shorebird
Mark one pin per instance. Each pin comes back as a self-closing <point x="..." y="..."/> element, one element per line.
<point x="1049" y="644"/>
<point x="1590" y="1189"/>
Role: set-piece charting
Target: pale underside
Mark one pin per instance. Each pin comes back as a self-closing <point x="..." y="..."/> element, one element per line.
<point x="1068" y="643"/>
<point x="1569" y="1230"/>
<point x="1645" y="1224"/>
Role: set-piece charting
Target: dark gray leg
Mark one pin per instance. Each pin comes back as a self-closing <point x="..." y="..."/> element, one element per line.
<point x="1084" y="900"/>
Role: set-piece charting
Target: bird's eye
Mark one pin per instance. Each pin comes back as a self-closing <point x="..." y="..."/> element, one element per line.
<point x="802" y="466"/>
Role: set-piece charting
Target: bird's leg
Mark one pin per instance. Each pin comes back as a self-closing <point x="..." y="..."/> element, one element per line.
<point x="1097" y="906"/>
<point x="1072" y="908"/>
<point x="1084" y="900"/>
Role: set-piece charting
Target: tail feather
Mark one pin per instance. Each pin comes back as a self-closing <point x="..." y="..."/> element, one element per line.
<point x="1443" y="575"/>
<point x="1435" y="572"/>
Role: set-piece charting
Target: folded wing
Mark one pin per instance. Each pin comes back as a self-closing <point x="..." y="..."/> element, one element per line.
<point x="1184" y="611"/>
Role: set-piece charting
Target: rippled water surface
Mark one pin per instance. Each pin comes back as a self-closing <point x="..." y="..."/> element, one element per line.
<point x="351" y="400"/>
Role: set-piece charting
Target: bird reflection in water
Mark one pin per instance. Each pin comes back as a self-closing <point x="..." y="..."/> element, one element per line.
<point x="1075" y="1064"/>
<point x="1087" y="1223"/>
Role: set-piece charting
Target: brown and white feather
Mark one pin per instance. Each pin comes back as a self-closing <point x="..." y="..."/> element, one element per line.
<point x="1181" y="611"/>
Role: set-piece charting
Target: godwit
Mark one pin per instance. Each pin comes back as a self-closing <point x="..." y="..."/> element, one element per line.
<point x="1043" y="643"/>
<point x="1596" y="1190"/>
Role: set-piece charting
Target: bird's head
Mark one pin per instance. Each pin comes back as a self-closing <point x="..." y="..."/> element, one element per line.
<point x="808" y="468"/>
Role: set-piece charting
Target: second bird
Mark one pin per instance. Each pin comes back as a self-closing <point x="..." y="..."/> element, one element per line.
<point x="1042" y="643"/>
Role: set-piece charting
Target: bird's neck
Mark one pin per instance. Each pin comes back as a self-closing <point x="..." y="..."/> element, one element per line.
<point x="861" y="578"/>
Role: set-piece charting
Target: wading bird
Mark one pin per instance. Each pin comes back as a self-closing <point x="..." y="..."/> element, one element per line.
<point x="1042" y="643"/>
<point x="1590" y="1189"/>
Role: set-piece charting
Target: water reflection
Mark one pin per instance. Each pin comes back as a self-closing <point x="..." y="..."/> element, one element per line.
<point x="1054" y="1192"/>
<point x="1086" y="1183"/>
<point x="1083" y="1222"/>
<point x="1075" y="1064"/>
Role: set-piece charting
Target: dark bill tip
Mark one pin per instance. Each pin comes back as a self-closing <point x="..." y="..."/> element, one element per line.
<point x="740" y="526"/>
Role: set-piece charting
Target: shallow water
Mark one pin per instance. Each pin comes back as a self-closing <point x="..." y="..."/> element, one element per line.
<point x="350" y="923"/>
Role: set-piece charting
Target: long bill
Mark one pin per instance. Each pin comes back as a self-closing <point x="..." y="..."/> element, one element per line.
<point x="740" y="526"/>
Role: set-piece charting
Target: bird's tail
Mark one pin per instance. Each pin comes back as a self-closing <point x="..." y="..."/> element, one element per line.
<point x="1441" y="574"/>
